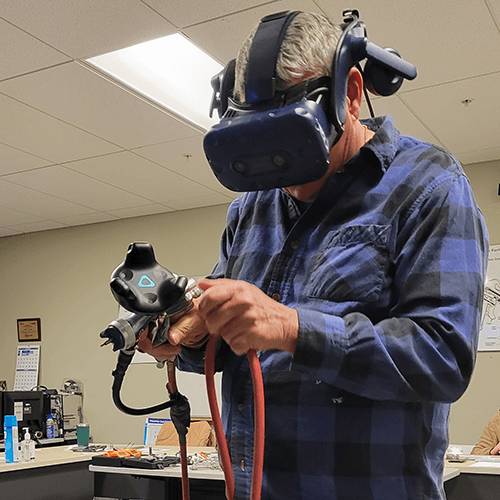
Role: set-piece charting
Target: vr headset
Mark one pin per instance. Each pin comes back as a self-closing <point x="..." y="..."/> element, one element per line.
<point x="283" y="138"/>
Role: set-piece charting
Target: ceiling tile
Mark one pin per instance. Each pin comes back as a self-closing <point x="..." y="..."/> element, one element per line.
<point x="482" y="155"/>
<point x="460" y="128"/>
<point x="221" y="38"/>
<point x="61" y="111"/>
<point x="32" y="227"/>
<point x="26" y="53"/>
<point x="404" y="119"/>
<point x="140" y="176"/>
<point x="200" y="201"/>
<point x="13" y="160"/>
<point x="191" y="12"/>
<point x="44" y="136"/>
<point x="494" y="6"/>
<point x="89" y="28"/>
<point x="152" y="209"/>
<point x="80" y="97"/>
<point x="446" y="41"/>
<point x="10" y="217"/>
<point x="5" y="231"/>
<point x="93" y="218"/>
<point x="69" y="185"/>
<point x="187" y="158"/>
<point x="34" y="202"/>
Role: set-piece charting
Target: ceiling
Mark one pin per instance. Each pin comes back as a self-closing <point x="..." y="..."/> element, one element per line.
<point x="77" y="148"/>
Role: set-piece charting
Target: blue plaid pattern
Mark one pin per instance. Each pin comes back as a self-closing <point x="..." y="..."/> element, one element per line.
<point x="386" y="270"/>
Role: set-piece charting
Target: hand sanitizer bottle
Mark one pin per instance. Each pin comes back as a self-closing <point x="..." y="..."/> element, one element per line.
<point x="27" y="446"/>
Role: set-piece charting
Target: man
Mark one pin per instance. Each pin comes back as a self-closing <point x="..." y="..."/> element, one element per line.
<point x="362" y="293"/>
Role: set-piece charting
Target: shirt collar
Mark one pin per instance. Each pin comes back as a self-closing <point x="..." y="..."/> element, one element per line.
<point x="385" y="142"/>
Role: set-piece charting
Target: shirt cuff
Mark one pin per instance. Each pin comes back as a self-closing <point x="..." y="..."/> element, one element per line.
<point x="320" y="343"/>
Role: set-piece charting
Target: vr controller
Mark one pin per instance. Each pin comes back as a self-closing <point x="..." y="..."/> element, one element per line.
<point x="263" y="145"/>
<point x="147" y="290"/>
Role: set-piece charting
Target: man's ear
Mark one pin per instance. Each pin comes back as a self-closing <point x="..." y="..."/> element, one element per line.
<point x="354" y="92"/>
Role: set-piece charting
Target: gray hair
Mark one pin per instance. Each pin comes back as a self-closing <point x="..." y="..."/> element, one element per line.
<point x="306" y="52"/>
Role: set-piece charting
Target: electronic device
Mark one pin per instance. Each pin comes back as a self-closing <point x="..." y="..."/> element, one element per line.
<point x="72" y="411"/>
<point x="31" y="409"/>
<point x="283" y="138"/>
<point x="146" y="289"/>
<point x="28" y="407"/>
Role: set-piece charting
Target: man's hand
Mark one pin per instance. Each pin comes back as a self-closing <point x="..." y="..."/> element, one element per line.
<point x="187" y="331"/>
<point x="246" y="318"/>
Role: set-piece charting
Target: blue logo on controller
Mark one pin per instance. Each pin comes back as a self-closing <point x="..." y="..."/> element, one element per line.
<point x="146" y="282"/>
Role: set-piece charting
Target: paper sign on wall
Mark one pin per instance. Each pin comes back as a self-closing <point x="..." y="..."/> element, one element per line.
<point x="489" y="335"/>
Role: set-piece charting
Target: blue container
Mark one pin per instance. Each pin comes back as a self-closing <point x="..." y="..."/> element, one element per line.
<point x="11" y="439"/>
<point x="51" y="433"/>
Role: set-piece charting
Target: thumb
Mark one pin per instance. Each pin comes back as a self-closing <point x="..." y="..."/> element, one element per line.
<point x="177" y="332"/>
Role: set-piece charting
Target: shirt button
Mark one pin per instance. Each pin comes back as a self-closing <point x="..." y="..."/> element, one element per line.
<point x="276" y="297"/>
<point x="294" y="244"/>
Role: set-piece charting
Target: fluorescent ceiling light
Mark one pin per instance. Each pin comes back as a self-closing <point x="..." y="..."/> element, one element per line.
<point x="170" y="70"/>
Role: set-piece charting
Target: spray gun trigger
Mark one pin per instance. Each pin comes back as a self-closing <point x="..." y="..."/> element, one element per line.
<point x="160" y="332"/>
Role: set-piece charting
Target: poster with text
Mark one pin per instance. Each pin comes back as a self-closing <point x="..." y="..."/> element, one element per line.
<point x="489" y="334"/>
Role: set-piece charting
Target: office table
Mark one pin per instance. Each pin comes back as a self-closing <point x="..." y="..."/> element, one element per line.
<point x="56" y="472"/>
<point x="158" y="484"/>
<point x="460" y="481"/>
<point x="477" y="480"/>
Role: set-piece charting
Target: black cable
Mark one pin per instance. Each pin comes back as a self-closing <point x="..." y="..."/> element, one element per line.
<point x="368" y="103"/>
<point x="122" y="364"/>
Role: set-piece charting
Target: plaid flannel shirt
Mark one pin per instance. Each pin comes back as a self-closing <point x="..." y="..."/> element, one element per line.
<point x="386" y="270"/>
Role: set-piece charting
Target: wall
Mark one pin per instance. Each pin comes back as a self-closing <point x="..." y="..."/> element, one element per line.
<point x="470" y="414"/>
<point x="62" y="277"/>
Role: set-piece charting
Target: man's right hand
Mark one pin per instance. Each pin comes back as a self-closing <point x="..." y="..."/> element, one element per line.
<point x="188" y="331"/>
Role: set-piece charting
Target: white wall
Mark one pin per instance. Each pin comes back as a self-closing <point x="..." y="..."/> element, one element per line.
<point x="62" y="277"/>
<point x="470" y="414"/>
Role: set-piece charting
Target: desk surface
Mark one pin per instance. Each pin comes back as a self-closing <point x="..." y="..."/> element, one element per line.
<point x="479" y="465"/>
<point x="195" y="472"/>
<point x="44" y="457"/>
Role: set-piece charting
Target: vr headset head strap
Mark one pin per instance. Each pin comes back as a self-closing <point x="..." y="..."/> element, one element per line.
<point x="260" y="77"/>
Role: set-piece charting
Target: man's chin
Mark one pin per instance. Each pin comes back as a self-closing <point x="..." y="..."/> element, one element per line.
<point x="306" y="192"/>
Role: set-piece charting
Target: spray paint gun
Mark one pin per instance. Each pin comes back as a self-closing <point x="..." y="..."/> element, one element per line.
<point x="149" y="291"/>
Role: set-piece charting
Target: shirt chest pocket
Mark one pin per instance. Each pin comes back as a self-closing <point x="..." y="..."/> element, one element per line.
<point x="351" y="265"/>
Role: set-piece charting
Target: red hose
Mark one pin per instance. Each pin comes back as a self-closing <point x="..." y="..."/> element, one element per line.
<point x="214" y="410"/>
<point x="259" y="421"/>
<point x="184" y="467"/>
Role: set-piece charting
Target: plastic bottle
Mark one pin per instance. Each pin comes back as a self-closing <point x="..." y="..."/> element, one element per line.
<point x="56" y="428"/>
<point x="27" y="446"/>
<point x="11" y="439"/>
<point x="50" y="427"/>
